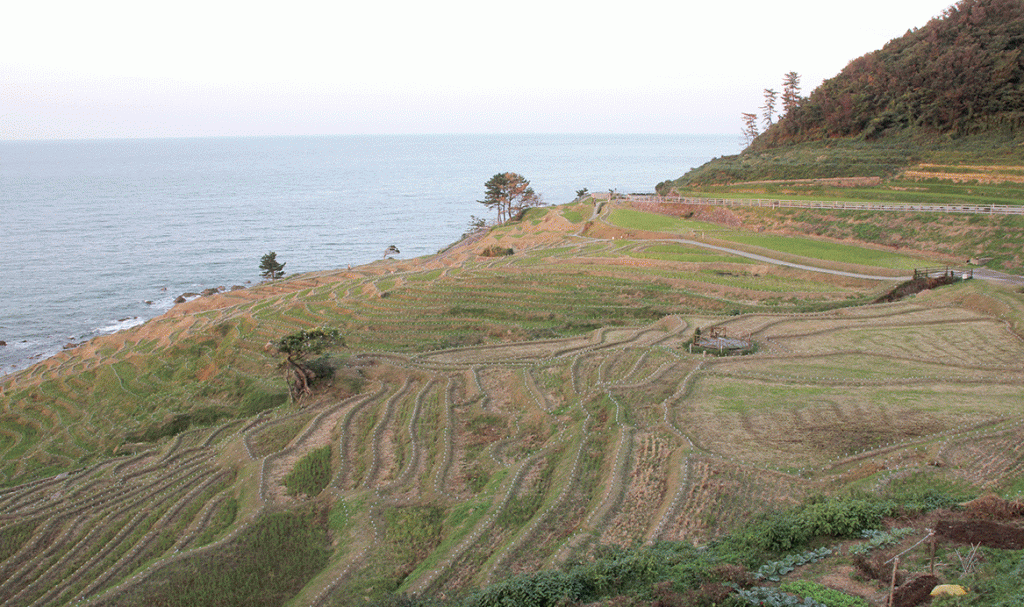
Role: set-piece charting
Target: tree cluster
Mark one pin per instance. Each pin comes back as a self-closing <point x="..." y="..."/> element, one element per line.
<point x="962" y="73"/>
<point x="509" y="194"/>
<point x="791" y="100"/>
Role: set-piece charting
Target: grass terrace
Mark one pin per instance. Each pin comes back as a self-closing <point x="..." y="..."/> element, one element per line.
<point x="491" y="416"/>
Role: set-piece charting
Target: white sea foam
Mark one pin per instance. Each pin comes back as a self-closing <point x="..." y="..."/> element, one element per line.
<point x="121" y="325"/>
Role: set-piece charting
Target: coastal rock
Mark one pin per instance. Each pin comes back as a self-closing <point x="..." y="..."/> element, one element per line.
<point x="237" y="287"/>
<point x="179" y="299"/>
<point x="3" y="343"/>
<point x="210" y="291"/>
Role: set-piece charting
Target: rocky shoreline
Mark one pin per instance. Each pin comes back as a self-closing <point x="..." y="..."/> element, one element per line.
<point x="188" y="296"/>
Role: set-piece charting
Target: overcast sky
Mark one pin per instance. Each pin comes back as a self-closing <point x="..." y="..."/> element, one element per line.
<point x="87" y="69"/>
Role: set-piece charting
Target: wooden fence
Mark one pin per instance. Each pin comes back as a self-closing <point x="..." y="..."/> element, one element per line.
<point x="944" y="271"/>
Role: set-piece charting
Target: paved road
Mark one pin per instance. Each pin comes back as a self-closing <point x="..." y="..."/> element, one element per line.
<point x="779" y="262"/>
<point x="981" y="273"/>
<point x="986" y="274"/>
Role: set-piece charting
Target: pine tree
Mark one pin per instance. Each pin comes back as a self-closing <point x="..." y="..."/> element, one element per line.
<point x="297" y="347"/>
<point x="509" y="193"/>
<point x="790" y="92"/>
<point x="270" y="266"/>
<point x="750" y="131"/>
<point x="768" y="109"/>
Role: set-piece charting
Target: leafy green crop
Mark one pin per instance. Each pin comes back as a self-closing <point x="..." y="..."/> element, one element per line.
<point x="822" y="594"/>
<point x="774" y="570"/>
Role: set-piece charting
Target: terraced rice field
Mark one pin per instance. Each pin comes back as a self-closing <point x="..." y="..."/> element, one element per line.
<point x="503" y="420"/>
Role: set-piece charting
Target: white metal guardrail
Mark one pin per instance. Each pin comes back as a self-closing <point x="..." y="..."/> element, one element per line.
<point x="992" y="209"/>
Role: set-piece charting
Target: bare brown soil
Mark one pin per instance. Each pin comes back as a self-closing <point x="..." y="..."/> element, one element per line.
<point x="986" y="533"/>
<point x="915" y="592"/>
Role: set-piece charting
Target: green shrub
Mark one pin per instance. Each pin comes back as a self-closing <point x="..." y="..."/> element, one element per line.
<point x="794" y="528"/>
<point x="322" y="368"/>
<point x="496" y="251"/>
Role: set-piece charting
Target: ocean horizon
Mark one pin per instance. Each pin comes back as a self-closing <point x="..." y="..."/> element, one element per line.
<point x="101" y="235"/>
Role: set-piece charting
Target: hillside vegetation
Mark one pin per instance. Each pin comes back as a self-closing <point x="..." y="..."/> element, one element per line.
<point x="948" y="93"/>
<point x="523" y="429"/>
<point x="960" y="74"/>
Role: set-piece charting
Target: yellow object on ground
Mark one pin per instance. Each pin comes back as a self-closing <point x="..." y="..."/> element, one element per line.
<point x="948" y="589"/>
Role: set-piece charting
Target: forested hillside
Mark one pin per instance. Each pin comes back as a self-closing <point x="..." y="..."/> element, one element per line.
<point x="960" y="74"/>
<point x="950" y="92"/>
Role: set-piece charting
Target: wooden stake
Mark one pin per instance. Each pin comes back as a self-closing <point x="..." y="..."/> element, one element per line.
<point x="931" y="561"/>
<point x="892" y="587"/>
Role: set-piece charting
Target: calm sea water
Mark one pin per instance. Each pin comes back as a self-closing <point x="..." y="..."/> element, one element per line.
<point x="90" y="231"/>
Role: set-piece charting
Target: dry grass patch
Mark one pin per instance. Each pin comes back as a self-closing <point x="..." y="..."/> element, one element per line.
<point x="795" y="426"/>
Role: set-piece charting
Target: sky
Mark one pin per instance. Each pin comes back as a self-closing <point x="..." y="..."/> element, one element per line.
<point x="129" y="69"/>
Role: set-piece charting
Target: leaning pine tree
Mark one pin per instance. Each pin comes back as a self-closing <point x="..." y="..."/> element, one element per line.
<point x="270" y="267"/>
<point x="297" y="347"/>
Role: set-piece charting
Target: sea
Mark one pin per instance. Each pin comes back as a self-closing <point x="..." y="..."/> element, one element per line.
<point x="97" y="236"/>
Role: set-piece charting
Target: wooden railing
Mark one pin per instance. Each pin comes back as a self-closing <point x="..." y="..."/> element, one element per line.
<point x="944" y="271"/>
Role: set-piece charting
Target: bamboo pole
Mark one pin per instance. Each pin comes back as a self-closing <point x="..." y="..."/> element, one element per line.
<point x="892" y="586"/>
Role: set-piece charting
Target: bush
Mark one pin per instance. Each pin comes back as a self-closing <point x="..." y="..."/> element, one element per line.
<point x="496" y="251"/>
<point x="830" y="518"/>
